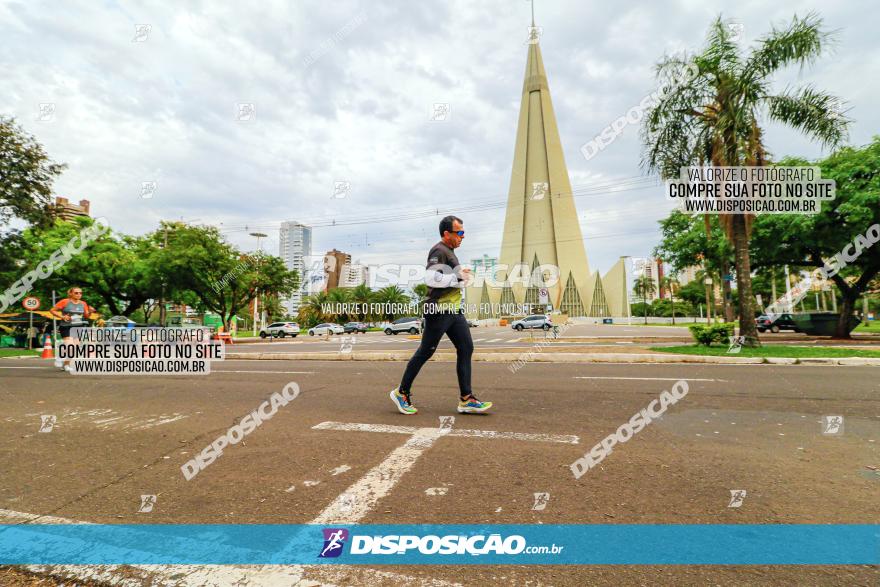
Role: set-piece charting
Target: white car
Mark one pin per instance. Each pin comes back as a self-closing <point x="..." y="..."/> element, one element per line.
<point x="280" y="330"/>
<point x="541" y="321"/>
<point x="326" y="328"/>
<point x="413" y="325"/>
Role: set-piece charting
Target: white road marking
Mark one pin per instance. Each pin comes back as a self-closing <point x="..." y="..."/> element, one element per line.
<point x="105" y="419"/>
<point x="257" y="371"/>
<point x="410" y="430"/>
<point x="340" y="469"/>
<point x="495" y="340"/>
<point x="654" y="378"/>
<point x="348" y="508"/>
<point x="378" y="482"/>
<point x="210" y="575"/>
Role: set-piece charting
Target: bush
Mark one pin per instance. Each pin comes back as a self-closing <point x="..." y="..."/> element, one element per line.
<point x="706" y="334"/>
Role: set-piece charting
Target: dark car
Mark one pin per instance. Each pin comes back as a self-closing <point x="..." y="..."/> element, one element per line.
<point x="775" y="323"/>
<point x="355" y="327"/>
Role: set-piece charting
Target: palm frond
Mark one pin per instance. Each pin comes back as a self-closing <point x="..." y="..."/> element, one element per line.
<point x="817" y="114"/>
<point x="801" y="42"/>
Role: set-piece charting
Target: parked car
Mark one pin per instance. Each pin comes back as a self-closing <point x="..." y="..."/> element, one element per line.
<point x="280" y="330"/>
<point x="776" y="323"/>
<point x="326" y="328"/>
<point x="354" y="327"/>
<point x="534" y="321"/>
<point x="413" y="325"/>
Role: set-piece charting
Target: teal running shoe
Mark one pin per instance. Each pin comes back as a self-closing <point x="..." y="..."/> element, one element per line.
<point x="403" y="402"/>
<point x="473" y="406"/>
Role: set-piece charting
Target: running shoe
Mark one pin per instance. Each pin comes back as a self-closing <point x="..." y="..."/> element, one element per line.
<point x="473" y="406"/>
<point x="403" y="402"/>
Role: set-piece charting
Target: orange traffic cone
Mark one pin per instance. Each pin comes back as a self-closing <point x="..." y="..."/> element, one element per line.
<point x="47" y="349"/>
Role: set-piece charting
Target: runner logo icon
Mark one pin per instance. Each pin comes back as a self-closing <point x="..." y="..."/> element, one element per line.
<point x="334" y="540"/>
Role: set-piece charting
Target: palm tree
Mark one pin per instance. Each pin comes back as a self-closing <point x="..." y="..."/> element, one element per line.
<point x="362" y="295"/>
<point x="391" y="295"/>
<point x="311" y="310"/>
<point x="669" y="284"/>
<point x="643" y="287"/>
<point x="714" y="118"/>
<point x="339" y="295"/>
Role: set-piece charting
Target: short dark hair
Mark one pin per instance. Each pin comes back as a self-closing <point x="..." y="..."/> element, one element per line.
<point x="446" y="223"/>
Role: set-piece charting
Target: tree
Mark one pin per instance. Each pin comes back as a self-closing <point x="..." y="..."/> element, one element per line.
<point x="339" y="295"/>
<point x="391" y="294"/>
<point x="808" y="242"/>
<point x="419" y="294"/>
<point x="362" y="295"/>
<point x="692" y="292"/>
<point x="197" y="260"/>
<point x="26" y="176"/>
<point x="643" y="287"/>
<point x="714" y="119"/>
<point x="669" y="284"/>
<point x="113" y="267"/>
<point x="311" y="310"/>
<point x="686" y="242"/>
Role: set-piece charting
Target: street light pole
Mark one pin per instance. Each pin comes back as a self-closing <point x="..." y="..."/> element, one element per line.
<point x="258" y="235"/>
<point x="629" y="320"/>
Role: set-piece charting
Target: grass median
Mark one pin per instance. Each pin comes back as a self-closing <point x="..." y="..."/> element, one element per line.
<point x="18" y="353"/>
<point x="780" y="351"/>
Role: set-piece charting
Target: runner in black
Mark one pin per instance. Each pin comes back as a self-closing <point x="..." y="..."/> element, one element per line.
<point x="444" y="315"/>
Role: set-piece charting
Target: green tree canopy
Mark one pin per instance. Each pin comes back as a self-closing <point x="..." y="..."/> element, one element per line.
<point x="712" y="114"/>
<point x="808" y="241"/>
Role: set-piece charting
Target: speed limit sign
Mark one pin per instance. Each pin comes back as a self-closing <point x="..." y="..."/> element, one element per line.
<point x="31" y="303"/>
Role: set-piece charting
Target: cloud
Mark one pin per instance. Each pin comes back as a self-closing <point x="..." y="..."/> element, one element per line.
<point x="343" y="91"/>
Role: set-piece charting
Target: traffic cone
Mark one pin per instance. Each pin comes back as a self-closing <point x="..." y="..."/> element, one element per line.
<point x="47" y="349"/>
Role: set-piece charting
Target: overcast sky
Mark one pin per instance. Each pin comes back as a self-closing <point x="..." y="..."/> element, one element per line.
<point x="344" y="91"/>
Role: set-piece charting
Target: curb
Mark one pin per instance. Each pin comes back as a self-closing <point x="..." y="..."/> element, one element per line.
<point x="555" y="358"/>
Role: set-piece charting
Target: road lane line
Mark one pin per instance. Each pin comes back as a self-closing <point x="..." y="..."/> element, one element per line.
<point x="361" y="497"/>
<point x="410" y="430"/>
<point x="652" y="378"/>
<point x="256" y="371"/>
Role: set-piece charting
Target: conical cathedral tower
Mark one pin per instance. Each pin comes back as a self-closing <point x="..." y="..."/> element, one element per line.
<point x="541" y="225"/>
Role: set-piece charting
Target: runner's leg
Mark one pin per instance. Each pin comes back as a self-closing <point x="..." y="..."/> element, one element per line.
<point x="460" y="334"/>
<point x="435" y="327"/>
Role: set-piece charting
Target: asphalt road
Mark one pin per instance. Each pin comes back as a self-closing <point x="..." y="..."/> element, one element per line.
<point x="494" y="337"/>
<point x="740" y="427"/>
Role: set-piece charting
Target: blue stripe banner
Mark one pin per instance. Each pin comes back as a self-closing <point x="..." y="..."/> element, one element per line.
<point x="544" y="544"/>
